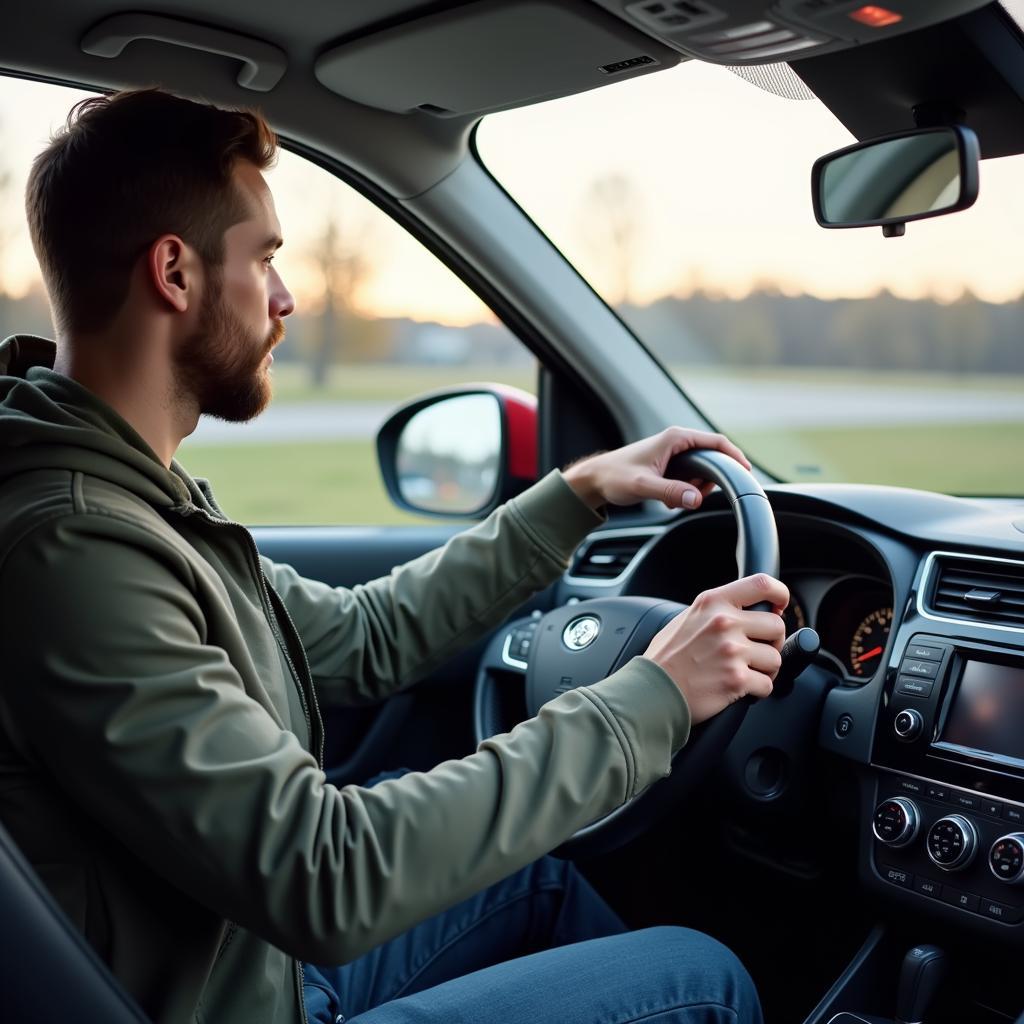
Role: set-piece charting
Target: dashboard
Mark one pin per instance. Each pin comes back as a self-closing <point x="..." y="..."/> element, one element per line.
<point x="918" y="688"/>
<point x="838" y="583"/>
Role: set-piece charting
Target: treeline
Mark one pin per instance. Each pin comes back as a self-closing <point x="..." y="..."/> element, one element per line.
<point x="765" y="329"/>
<point x="881" y="332"/>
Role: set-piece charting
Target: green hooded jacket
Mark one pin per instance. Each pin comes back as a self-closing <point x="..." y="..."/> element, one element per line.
<point x="160" y="739"/>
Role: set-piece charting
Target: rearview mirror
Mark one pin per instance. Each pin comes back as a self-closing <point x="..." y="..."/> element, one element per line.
<point x="888" y="181"/>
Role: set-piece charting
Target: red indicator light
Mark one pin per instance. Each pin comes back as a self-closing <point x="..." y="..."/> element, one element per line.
<point x="875" y="17"/>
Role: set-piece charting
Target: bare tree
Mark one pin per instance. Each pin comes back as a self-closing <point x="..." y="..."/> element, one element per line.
<point x="611" y="226"/>
<point x="342" y="256"/>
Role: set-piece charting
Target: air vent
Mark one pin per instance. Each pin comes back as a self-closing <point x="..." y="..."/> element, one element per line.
<point x="607" y="558"/>
<point x="978" y="590"/>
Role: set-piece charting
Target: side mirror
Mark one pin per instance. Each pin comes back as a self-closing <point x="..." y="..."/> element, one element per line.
<point x="898" y="178"/>
<point x="460" y="452"/>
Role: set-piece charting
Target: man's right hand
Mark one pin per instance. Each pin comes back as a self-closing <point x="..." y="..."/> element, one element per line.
<point x="716" y="652"/>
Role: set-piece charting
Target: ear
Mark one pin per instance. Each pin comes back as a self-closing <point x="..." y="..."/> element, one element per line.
<point x="174" y="270"/>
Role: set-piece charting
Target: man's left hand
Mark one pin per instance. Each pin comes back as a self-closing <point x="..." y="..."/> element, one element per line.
<point x="636" y="472"/>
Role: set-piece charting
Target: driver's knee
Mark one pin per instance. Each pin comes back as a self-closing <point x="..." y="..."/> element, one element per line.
<point x="695" y="971"/>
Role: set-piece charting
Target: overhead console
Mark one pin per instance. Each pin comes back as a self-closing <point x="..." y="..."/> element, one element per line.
<point x="754" y="32"/>
<point x="473" y="58"/>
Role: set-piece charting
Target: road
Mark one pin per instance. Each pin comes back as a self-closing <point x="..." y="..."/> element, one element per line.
<point x="770" y="403"/>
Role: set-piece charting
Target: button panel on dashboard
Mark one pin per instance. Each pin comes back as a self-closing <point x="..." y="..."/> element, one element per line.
<point x="954" y="824"/>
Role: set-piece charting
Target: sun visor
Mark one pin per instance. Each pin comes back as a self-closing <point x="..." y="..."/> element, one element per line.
<point x="490" y="56"/>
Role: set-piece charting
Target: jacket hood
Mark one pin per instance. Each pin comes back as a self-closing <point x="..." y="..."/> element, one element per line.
<point x="48" y="421"/>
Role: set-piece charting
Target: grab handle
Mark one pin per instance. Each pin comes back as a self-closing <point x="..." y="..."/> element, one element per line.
<point x="263" y="64"/>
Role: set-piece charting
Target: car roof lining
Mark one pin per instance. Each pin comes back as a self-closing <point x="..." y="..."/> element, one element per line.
<point x="407" y="153"/>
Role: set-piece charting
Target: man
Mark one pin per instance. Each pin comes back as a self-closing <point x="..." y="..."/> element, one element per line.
<point x="159" y="727"/>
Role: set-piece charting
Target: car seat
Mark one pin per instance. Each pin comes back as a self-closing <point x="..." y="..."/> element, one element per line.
<point x="49" y="974"/>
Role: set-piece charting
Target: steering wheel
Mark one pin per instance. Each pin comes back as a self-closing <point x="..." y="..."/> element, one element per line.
<point x="564" y="653"/>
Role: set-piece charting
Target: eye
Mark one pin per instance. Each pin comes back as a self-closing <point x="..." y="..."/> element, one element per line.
<point x="269" y="259"/>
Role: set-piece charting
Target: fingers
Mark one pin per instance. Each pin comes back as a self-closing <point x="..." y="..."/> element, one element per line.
<point x="759" y="685"/>
<point x="684" y="440"/>
<point x="672" y="493"/>
<point x="751" y="589"/>
<point x="763" y="658"/>
<point x="767" y="627"/>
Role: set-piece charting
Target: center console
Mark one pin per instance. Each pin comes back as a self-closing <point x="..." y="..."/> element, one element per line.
<point x="947" y="825"/>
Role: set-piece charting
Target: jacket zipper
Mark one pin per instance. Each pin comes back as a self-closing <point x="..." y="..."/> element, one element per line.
<point x="316" y="736"/>
<point x="301" y="978"/>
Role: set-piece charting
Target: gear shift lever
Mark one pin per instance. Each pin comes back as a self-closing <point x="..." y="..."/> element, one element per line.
<point x="922" y="972"/>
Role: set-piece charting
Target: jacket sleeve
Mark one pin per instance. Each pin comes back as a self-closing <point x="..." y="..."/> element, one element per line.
<point x="366" y="643"/>
<point x="112" y="691"/>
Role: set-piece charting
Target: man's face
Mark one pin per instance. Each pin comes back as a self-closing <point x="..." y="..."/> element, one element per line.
<point x="225" y="363"/>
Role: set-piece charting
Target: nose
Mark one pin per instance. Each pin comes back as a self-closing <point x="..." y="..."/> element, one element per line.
<point x="281" y="302"/>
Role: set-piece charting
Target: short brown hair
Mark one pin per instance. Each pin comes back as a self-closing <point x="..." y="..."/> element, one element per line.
<point x="123" y="171"/>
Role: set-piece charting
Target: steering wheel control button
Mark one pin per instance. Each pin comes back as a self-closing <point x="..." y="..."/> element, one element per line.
<point x="923" y="653"/>
<point x="897" y="876"/>
<point x="581" y="632"/>
<point x="928" y="887"/>
<point x="518" y="643"/>
<point x="1006" y="858"/>
<point x="915" y="687"/>
<point x="844" y="726"/>
<point x="896" y="822"/>
<point x="952" y="842"/>
<point x="919" y="669"/>
<point x="958" y="898"/>
<point x="522" y="641"/>
<point x="908" y="725"/>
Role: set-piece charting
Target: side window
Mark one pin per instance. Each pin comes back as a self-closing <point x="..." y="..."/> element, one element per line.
<point x="378" y="319"/>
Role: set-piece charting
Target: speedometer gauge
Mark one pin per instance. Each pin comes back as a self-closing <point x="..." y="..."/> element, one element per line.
<point x="869" y="641"/>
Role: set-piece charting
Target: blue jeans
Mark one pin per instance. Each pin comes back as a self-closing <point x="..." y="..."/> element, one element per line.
<point x="539" y="946"/>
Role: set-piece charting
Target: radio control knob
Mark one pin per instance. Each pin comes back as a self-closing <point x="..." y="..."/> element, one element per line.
<point x="896" y="821"/>
<point x="908" y="725"/>
<point x="1006" y="858"/>
<point x="952" y="842"/>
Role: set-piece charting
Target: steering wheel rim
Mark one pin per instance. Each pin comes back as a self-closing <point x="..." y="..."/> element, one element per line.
<point x="757" y="550"/>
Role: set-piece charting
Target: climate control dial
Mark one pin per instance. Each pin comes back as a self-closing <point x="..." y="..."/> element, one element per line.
<point x="1006" y="858"/>
<point x="952" y="842"/>
<point x="896" y="821"/>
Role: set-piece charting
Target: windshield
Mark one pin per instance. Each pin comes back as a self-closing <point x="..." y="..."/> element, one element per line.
<point x="684" y="197"/>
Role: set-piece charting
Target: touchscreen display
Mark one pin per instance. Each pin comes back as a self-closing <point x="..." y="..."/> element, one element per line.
<point x="988" y="711"/>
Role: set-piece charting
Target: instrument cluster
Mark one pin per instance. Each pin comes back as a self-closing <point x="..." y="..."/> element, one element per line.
<point x="852" y="614"/>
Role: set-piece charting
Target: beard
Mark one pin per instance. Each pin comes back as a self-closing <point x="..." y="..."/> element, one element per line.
<point x="220" y="366"/>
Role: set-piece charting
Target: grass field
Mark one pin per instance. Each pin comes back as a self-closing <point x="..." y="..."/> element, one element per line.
<point x="315" y="482"/>
<point x="975" y="458"/>
<point x="391" y="382"/>
<point x="338" y="481"/>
